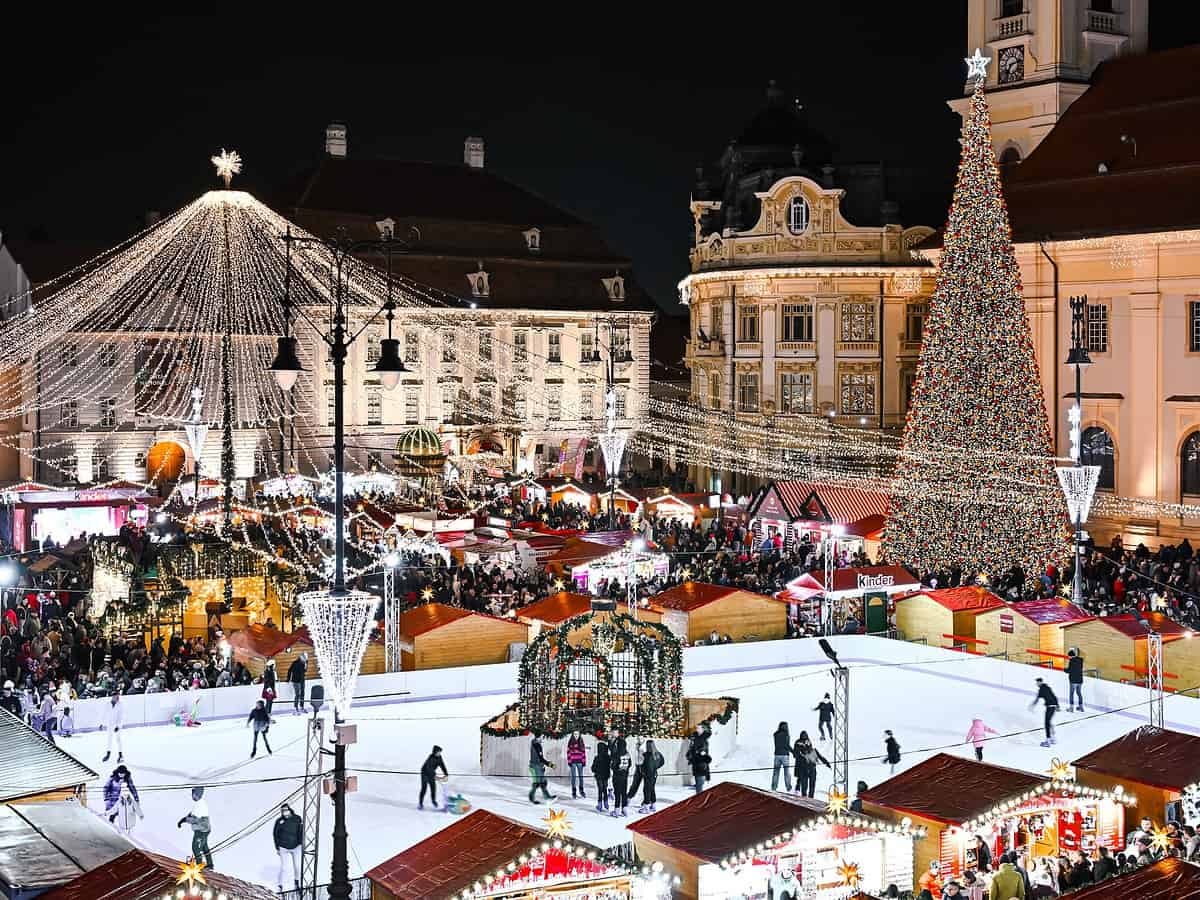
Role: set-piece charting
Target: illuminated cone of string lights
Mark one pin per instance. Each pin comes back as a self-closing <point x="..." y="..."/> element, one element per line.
<point x="1078" y="485"/>
<point x="339" y="625"/>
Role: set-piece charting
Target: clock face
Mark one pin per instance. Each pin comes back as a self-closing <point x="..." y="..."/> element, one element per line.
<point x="1012" y="64"/>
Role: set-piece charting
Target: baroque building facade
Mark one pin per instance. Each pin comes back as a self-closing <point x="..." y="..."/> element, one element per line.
<point x="804" y="295"/>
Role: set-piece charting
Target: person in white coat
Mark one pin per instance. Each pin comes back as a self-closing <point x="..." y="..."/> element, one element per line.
<point x="66" y="725"/>
<point x="113" y="720"/>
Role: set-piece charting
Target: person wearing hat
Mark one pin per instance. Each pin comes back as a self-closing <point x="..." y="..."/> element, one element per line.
<point x="1047" y="696"/>
<point x="289" y="839"/>
<point x="931" y="880"/>
<point x="295" y="675"/>
<point x="268" y="690"/>
<point x="114" y="719"/>
<point x="197" y="817"/>
<point x="119" y="779"/>
<point x="429" y="768"/>
<point x="9" y="699"/>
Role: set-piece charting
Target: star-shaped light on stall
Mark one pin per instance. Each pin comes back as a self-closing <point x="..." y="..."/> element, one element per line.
<point x="427" y="594"/>
<point x="849" y="874"/>
<point x="228" y="163"/>
<point x="1160" y="839"/>
<point x="557" y="823"/>
<point x="559" y="584"/>
<point x="1061" y="770"/>
<point x="685" y="573"/>
<point x="977" y="65"/>
<point x="191" y="872"/>
<point x="838" y="802"/>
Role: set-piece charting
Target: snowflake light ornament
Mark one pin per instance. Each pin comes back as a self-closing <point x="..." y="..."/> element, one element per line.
<point x="228" y="163"/>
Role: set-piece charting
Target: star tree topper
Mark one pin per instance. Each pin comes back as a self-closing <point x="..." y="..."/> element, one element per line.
<point x="977" y="65"/>
<point x="229" y="163"/>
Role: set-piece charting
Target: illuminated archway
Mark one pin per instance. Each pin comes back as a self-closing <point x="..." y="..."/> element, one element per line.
<point x="165" y="461"/>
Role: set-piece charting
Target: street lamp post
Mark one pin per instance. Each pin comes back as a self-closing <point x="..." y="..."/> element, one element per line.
<point x="1078" y="357"/>
<point x="286" y="368"/>
<point x="612" y="442"/>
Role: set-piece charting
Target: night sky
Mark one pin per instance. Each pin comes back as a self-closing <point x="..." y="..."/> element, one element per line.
<point x="598" y="111"/>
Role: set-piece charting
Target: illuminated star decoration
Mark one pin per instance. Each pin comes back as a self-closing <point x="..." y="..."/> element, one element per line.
<point x="1161" y="839"/>
<point x="977" y="65"/>
<point x="838" y="801"/>
<point x="228" y="163"/>
<point x="848" y="873"/>
<point x="427" y="594"/>
<point x="1060" y="770"/>
<point x="557" y="823"/>
<point x="191" y="872"/>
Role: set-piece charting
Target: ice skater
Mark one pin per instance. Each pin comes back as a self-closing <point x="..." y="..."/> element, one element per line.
<point x="66" y="724"/>
<point x="538" y="764"/>
<point x="289" y="838"/>
<point x="296" y="674"/>
<point x="576" y="760"/>
<point x="651" y="762"/>
<point x="891" y="748"/>
<point x="1048" y="697"/>
<point x="1075" y="678"/>
<point x="429" y="768"/>
<point x="49" y="715"/>
<point x="807" y="756"/>
<point x="197" y="817"/>
<point x="977" y="734"/>
<point x="268" y="691"/>
<point x="782" y="758"/>
<point x="620" y="778"/>
<point x="824" y="711"/>
<point x="121" y="799"/>
<point x="114" y="718"/>
<point x="260" y="719"/>
<point x="698" y="757"/>
<point x="601" y="770"/>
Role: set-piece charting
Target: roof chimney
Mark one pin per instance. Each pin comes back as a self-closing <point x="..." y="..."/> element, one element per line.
<point x="335" y="139"/>
<point x="473" y="152"/>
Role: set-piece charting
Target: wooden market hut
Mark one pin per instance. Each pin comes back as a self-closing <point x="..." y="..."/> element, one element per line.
<point x="695" y="609"/>
<point x="572" y="493"/>
<point x="955" y="798"/>
<point x="34" y="770"/>
<point x="466" y="855"/>
<point x="730" y="841"/>
<point x="45" y="845"/>
<point x="1031" y="631"/>
<point x="436" y="636"/>
<point x="255" y="644"/>
<point x="576" y="552"/>
<point x="1116" y="645"/>
<point x="1168" y="879"/>
<point x="1155" y="765"/>
<point x="142" y="875"/>
<point x="945" y="617"/>
<point x="552" y="611"/>
<point x="686" y="508"/>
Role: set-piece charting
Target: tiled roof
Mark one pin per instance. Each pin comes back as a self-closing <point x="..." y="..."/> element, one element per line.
<point x="428" y="616"/>
<point x="1059" y="192"/>
<point x="31" y="765"/>
<point x="1167" y="879"/>
<point x="1049" y="612"/>
<point x="267" y="642"/>
<point x="691" y="595"/>
<point x="950" y="789"/>
<point x="961" y="599"/>
<point x="1156" y="756"/>
<point x="141" y="875"/>
<point x="557" y="607"/>
<point x="825" y="502"/>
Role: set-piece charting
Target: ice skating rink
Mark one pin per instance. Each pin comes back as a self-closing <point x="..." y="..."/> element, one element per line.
<point x="926" y="695"/>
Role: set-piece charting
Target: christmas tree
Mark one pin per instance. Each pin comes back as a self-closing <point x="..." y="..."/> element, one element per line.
<point x="975" y="485"/>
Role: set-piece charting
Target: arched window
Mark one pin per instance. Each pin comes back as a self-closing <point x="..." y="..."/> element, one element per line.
<point x="1189" y="465"/>
<point x="1096" y="449"/>
<point x="797" y="215"/>
<point x="1009" y="160"/>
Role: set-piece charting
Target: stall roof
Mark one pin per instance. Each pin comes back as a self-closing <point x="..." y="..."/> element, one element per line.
<point x="455" y="857"/>
<point x="691" y="595"/>
<point x="851" y="579"/>
<point x="1131" y="626"/>
<point x="267" y="642"/>
<point x="141" y="875"/>
<point x="1166" y="759"/>
<point x="951" y="789"/>
<point x="824" y="503"/>
<point x="1049" y="612"/>
<point x="44" y="845"/>
<point x="960" y="599"/>
<point x="579" y="552"/>
<point x="31" y="765"/>
<point x="1167" y="879"/>
<point x="429" y="616"/>
<point x="557" y="607"/>
<point x="725" y="819"/>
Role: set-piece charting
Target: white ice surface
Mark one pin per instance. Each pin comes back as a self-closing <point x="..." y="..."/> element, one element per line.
<point x="927" y="696"/>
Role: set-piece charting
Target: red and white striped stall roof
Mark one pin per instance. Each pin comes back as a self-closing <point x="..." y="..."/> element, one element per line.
<point x="845" y="505"/>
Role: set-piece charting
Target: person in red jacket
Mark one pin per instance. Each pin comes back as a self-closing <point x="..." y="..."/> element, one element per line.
<point x="931" y="880"/>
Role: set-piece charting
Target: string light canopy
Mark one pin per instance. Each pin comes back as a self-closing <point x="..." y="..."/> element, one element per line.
<point x="1058" y="786"/>
<point x="846" y="820"/>
<point x="340" y="625"/>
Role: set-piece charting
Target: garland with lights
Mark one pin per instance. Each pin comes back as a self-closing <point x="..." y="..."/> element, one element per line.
<point x="845" y="820"/>
<point x="1056" y="786"/>
<point x="978" y="389"/>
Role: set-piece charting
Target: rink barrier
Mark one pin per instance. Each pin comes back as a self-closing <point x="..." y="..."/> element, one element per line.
<point x="500" y="680"/>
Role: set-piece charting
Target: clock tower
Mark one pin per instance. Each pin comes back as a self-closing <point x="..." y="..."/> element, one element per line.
<point x="1043" y="54"/>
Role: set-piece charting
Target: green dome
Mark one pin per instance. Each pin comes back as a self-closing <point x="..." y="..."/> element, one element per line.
<point x="418" y="443"/>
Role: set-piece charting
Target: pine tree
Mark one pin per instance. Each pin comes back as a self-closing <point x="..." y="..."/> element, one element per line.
<point x="975" y="486"/>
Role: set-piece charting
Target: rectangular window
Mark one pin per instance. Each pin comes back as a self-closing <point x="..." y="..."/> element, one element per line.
<point x="1194" y="326"/>
<point x="1097" y="327"/>
<point x="858" y="321"/>
<point x="553" y="402"/>
<point x="1011" y="8"/>
<point x="374" y="407"/>
<point x="914" y="322"/>
<point x="857" y="393"/>
<point x="554" y="346"/>
<point x="586" y="404"/>
<point x="798" y="322"/>
<point x="70" y="414"/>
<point x="260" y="462"/>
<point x="262" y="407"/>
<point x="412" y="405"/>
<point x="108" y="411"/>
<point x="796" y="392"/>
<point x="71" y="354"/>
<point x="748" y="323"/>
<point x="330" y="398"/>
<point x="520" y="346"/>
<point x="412" y="347"/>
<point x="99" y="465"/>
<point x="449" y="347"/>
<point x="485" y="346"/>
<point x="620" y="344"/>
<point x="449" y="402"/>
<point x="373" y="348"/>
<point x="108" y="356"/>
<point x="587" y="346"/>
<point x="486" y="394"/>
<point x="714" y="322"/>
<point x="520" y="402"/>
<point x="622" y="398"/>
<point x="747" y="391"/>
<point x="714" y="391"/>
<point x="374" y="461"/>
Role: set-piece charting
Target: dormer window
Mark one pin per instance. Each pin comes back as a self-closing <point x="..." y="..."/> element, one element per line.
<point x="797" y="215"/>
<point x="533" y="239"/>
<point x="615" y="287"/>
<point x="387" y="228"/>
<point x="479" y="283"/>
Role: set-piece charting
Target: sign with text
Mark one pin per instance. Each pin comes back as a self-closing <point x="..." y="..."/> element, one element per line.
<point x="1006" y="623"/>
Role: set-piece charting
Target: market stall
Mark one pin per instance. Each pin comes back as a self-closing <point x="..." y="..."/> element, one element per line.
<point x="864" y="593"/>
<point x="735" y="841"/>
<point x="1030" y="631"/>
<point x="805" y="511"/>
<point x="436" y="636"/>
<point x="946" y="617"/>
<point x="572" y="493"/>
<point x="587" y="563"/>
<point x="254" y="645"/>
<point x="486" y="855"/>
<point x="956" y="798"/>
<point x="1116" y="645"/>
<point x="1158" y="768"/>
<point x="1167" y="879"/>
<point x="50" y="843"/>
<point x="32" y="514"/>
<point x="142" y="875"/>
<point x="686" y="509"/>
<point x="694" y="610"/>
<point x="553" y="611"/>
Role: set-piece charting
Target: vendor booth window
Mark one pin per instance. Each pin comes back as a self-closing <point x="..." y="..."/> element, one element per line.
<point x="1096" y="449"/>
